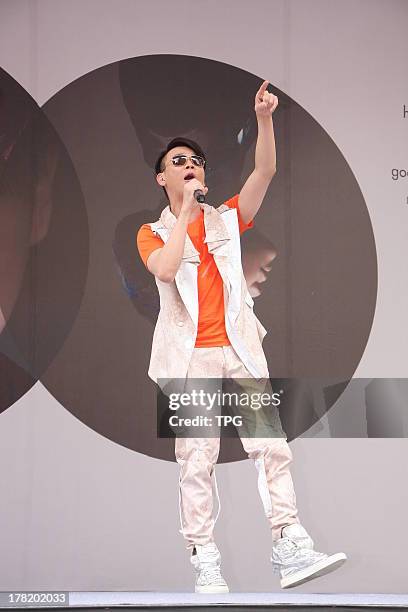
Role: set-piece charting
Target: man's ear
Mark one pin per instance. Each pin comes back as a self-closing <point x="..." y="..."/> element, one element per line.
<point x="161" y="179"/>
<point x="43" y="200"/>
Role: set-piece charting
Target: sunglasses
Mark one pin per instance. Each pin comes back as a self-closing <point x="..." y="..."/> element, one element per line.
<point x="181" y="160"/>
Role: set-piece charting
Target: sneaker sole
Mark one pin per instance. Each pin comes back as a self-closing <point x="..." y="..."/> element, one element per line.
<point x="212" y="589"/>
<point x="320" y="568"/>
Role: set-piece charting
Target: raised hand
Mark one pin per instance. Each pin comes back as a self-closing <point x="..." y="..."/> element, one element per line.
<point x="265" y="102"/>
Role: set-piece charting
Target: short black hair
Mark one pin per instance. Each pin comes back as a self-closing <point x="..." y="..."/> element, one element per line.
<point x="178" y="142"/>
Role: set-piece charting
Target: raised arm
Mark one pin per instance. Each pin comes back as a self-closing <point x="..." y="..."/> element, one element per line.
<point x="255" y="187"/>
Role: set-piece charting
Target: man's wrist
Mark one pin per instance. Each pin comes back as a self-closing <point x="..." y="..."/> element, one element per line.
<point x="184" y="215"/>
<point x="263" y="118"/>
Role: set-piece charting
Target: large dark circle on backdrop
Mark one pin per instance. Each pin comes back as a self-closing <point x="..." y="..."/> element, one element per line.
<point x="43" y="242"/>
<point x="313" y="228"/>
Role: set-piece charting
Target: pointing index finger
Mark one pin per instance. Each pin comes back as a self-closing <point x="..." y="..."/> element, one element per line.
<point x="262" y="89"/>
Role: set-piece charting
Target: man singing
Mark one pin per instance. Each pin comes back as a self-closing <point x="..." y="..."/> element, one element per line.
<point x="206" y="328"/>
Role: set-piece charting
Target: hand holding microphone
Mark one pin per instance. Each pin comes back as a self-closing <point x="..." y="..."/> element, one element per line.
<point x="194" y="194"/>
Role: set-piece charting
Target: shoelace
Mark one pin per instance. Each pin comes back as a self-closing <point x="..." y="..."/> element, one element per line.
<point x="287" y="549"/>
<point x="287" y="546"/>
<point x="212" y="575"/>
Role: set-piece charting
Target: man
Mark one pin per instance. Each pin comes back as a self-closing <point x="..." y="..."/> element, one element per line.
<point x="207" y="329"/>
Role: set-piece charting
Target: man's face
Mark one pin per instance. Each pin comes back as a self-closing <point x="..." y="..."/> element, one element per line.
<point x="173" y="178"/>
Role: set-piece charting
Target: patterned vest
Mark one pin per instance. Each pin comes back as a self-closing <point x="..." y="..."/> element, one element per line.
<point x="176" y="328"/>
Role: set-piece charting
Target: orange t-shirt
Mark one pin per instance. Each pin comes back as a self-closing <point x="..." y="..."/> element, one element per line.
<point x="211" y="316"/>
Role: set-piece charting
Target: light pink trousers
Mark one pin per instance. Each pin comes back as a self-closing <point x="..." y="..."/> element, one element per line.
<point x="197" y="458"/>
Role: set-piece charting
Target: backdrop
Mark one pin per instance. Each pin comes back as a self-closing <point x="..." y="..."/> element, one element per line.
<point x="90" y="92"/>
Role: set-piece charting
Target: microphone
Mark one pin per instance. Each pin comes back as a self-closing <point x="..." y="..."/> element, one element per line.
<point x="199" y="195"/>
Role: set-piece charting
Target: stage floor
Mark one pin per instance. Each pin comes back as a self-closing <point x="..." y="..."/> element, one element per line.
<point x="244" y="600"/>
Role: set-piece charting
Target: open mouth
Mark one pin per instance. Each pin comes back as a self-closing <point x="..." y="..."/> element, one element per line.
<point x="189" y="176"/>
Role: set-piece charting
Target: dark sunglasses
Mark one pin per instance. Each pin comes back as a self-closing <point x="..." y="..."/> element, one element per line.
<point x="181" y="160"/>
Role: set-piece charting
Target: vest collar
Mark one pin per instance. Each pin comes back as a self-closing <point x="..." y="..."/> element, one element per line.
<point x="216" y="234"/>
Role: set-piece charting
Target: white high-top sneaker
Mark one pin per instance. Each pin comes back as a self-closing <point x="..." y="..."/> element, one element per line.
<point x="296" y="561"/>
<point x="206" y="560"/>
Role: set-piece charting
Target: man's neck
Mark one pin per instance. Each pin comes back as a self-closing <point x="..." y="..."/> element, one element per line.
<point x="194" y="214"/>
